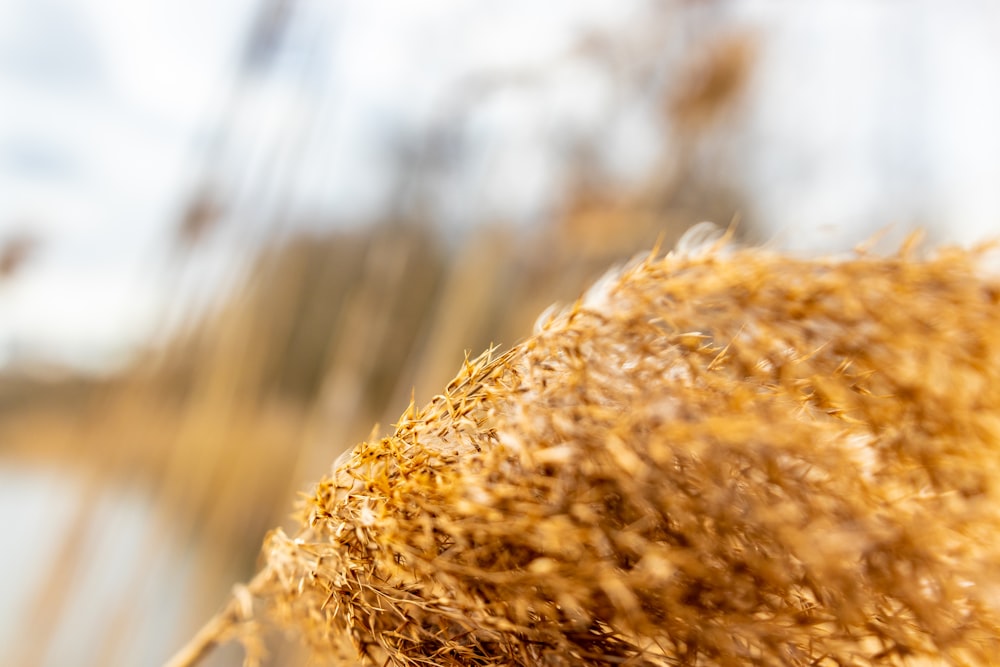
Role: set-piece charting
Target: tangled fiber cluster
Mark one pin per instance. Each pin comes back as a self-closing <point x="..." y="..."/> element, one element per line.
<point x="727" y="457"/>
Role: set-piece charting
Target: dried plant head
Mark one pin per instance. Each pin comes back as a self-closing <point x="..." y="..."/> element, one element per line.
<point x="718" y="457"/>
<point x="16" y="251"/>
<point x="713" y="81"/>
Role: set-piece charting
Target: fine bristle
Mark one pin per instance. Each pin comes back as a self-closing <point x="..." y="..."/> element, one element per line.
<point x="727" y="459"/>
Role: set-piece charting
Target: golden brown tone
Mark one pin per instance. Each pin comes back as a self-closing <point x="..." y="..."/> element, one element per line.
<point x="728" y="457"/>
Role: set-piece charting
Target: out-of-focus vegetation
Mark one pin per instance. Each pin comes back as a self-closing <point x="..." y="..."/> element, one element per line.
<point x="326" y="333"/>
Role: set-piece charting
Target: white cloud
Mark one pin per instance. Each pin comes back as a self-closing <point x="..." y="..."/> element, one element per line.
<point x="875" y="114"/>
<point x="171" y="60"/>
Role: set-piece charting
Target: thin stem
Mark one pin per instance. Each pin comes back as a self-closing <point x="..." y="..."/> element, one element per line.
<point x="207" y="637"/>
<point x="218" y="629"/>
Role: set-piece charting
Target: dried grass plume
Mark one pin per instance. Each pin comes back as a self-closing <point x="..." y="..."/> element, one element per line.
<point x="718" y="457"/>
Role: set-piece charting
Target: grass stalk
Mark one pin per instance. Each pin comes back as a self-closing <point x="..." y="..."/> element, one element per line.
<point x="223" y="627"/>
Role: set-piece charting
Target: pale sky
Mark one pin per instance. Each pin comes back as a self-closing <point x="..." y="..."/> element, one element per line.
<point x="870" y="114"/>
<point x="864" y="113"/>
<point x="106" y="104"/>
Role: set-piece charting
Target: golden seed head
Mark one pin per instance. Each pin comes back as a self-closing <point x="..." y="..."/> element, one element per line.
<point x="716" y="458"/>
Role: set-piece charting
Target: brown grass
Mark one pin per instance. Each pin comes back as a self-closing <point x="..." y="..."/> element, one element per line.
<point x="716" y="458"/>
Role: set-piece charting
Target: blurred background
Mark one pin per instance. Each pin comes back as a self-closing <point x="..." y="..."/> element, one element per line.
<point x="235" y="235"/>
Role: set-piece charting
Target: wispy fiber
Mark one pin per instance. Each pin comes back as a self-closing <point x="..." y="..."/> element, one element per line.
<point x="718" y="458"/>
